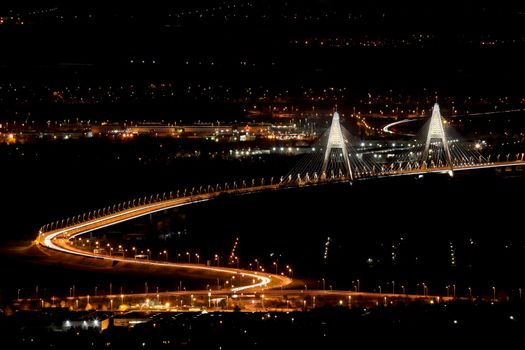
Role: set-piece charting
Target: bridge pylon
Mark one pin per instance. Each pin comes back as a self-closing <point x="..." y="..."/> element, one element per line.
<point x="336" y="141"/>
<point x="436" y="132"/>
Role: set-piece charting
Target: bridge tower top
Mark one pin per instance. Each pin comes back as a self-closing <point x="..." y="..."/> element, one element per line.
<point x="436" y="132"/>
<point x="336" y="141"/>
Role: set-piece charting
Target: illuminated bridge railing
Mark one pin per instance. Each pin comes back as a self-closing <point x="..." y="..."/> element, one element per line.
<point x="194" y="193"/>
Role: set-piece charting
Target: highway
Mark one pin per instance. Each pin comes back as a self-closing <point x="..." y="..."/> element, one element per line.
<point x="58" y="240"/>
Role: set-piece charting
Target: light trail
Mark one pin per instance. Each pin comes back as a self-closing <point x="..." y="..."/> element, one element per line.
<point x="57" y="240"/>
<point x="387" y="127"/>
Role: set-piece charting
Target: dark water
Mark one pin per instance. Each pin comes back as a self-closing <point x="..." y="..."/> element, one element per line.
<point x="439" y="230"/>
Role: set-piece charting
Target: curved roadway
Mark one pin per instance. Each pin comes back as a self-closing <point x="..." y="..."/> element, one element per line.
<point x="58" y="240"/>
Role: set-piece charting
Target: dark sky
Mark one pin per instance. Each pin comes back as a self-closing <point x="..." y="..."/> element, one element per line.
<point x="372" y="5"/>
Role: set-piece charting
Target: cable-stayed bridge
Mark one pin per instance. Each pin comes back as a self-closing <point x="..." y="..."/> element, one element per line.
<point x="436" y="149"/>
<point x="333" y="158"/>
